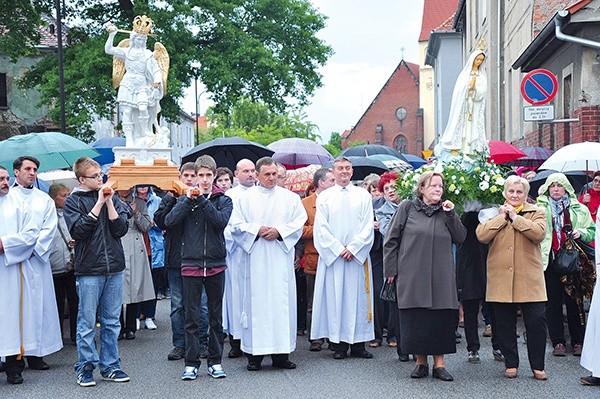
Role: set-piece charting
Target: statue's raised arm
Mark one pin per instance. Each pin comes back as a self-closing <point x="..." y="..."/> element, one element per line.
<point x="141" y="77"/>
<point x="465" y="130"/>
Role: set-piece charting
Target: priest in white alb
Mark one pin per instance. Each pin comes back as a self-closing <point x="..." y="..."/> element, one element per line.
<point x="20" y="314"/>
<point x="266" y="223"/>
<point x="343" y="236"/>
<point x="245" y="173"/>
<point x="47" y="327"/>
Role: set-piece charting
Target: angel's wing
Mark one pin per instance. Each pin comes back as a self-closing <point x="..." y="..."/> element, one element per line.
<point x="162" y="59"/>
<point x="119" y="65"/>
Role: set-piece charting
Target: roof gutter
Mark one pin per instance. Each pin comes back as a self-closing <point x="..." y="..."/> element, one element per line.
<point x="561" y="19"/>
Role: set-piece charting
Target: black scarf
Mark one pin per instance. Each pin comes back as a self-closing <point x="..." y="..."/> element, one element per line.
<point x="428" y="210"/>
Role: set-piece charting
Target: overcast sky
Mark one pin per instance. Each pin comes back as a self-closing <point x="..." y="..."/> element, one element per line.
<point x="367" y="38"/>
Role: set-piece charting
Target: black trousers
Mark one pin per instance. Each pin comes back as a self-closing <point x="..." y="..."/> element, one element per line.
<point x="554" y="311"/>
<point x="301" y="300"/>
<point x="344" y="346"/>
<point x="64" y="288"/>
<point x="192" y="300"/>
<point x="471" y="312"/>
<point x="277" y="358"/>
<point x="505" y="328"/>
<point x="128" y="317"/>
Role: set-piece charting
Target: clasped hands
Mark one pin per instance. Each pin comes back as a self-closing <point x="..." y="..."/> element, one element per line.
<point x="268" y="233"/>
<point x="508" y="211"/>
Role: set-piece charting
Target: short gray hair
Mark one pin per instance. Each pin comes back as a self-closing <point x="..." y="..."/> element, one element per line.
<point x="514" y="179"/>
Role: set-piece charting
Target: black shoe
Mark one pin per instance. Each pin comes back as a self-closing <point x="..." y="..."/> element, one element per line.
<point x="286" y="364"/>
<point x="420" y="371"/>
<point x="590" y="380"/>
<point x="14" y="378"/>
<point x="235" y="353"/>
<point x="364" y="354"/>
<point x="253" y="366"/>
<point x="442" y="374"/>
<point x="403" y="358"/>
<point x="38" y="364"/>
<point x="340" y="355"/>
<point x="176" y="353"/>
<point x="129" y="335"/>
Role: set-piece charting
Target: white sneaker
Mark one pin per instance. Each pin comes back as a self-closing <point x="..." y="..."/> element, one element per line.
<point x="138" y="324"/>
<point x="189" y="373"/>
<point x="150" y="325"/>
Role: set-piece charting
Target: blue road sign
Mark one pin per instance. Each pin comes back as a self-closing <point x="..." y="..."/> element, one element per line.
<point x="539" y="87"/>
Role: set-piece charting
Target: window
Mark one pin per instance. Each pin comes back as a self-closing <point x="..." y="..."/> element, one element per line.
<point x="3" y="91"/>
<point x="401" y="144"/>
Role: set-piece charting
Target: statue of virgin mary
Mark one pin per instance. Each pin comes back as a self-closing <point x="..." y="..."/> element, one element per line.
<point x="465" y="130"/>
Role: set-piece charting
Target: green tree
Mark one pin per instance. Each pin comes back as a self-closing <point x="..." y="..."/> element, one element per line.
<point x="266" y="50"/>
<point x="19" y="23"/>
<point x="334" y="146"/>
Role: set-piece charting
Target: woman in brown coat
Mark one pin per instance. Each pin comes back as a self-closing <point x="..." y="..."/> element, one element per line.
<point x="417" y="253"/>
<point x="515" y="274"/>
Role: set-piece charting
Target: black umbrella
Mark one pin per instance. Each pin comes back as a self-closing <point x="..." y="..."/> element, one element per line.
<point x="577" y="179"/>
<point x="363" y="167"/>
<point x="228" y="151"/>
<point x="371" y="149"/>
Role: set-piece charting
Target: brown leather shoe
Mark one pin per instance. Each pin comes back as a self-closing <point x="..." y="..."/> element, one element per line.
<point x="559" y="350"/>
<point x="315" y="346"/>
<point x="577" y="350"/>
<point x="374" y="344"/>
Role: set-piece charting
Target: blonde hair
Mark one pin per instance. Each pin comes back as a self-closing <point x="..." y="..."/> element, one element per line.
<point x="424" y="180"/>
<point x="514" y="179"/>
<point x="82" y="165"/>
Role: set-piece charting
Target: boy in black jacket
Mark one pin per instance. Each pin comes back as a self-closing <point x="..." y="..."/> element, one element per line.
<point x="204" y="212"/>
<point x="97" y="220"/>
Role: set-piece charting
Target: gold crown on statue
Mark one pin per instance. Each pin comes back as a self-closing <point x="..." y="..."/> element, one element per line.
<point x="142" y="25"/>
<point x="481" y="45"/>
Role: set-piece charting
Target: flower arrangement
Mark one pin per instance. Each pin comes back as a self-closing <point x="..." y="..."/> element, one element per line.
<point x="467" y="179"/>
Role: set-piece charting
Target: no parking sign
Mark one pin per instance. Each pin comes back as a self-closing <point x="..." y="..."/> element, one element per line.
<point x="539" y="87"/>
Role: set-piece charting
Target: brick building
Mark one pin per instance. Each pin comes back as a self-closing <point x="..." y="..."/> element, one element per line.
<point x="394" y="117"/>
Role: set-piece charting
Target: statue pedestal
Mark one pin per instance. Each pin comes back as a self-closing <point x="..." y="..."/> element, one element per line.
<point x="142" y="156"/>
<point x="159" y="173"/>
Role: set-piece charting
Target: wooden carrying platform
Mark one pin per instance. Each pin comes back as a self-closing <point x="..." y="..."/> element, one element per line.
<point x="160" y="174"/>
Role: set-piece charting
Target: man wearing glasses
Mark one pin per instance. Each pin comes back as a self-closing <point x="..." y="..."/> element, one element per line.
<point x="97" y="220"/>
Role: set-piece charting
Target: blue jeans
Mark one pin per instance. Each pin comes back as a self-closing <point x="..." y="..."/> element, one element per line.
<point x="102" y="296"/>
<point x="178" y="314"/>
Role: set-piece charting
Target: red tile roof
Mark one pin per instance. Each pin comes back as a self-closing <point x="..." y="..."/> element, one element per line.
<point x="435" y="13"/>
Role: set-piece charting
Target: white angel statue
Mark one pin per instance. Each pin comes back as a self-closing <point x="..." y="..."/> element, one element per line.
<point x="141" y="76"/>
<point x="465" y="130"/>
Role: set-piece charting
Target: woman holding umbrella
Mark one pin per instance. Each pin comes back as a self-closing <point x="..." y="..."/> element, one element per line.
<point x="563" y="214"/>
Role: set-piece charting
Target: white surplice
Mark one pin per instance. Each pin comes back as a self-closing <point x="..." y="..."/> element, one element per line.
<point x="232" y="297"/>
<point x="267" y="279"/>
<point x="27" y="247"/>
<point x="343" y="299"/>
<point x="590" y="356"/>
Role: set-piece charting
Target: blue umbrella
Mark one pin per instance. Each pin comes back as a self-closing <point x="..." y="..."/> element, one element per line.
<point x="414" y="160"/>
<point x="105" y="147"/>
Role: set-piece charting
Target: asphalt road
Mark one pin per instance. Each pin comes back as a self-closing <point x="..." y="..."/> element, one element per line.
<point x="318" y="375"/>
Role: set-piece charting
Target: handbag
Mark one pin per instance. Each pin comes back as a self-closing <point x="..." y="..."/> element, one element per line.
<point x="566" y="261"/>
<point x="388" y="291"/>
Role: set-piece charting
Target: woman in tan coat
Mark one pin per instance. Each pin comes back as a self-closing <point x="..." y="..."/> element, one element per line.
<point x="515" y="275"/>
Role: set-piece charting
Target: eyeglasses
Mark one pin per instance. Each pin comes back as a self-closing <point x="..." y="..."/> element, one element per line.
<point x="596" y="181"/>
<point x="95" y="177"/>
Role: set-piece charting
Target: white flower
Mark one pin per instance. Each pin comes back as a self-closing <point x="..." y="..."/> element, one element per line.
<point x="499" y="181"/>
<point x="457" y="192"/>
<point x="453" y="177"/>
<point x="439" y="168"/>
<point x="486" y="177"/>
<point x="484" y="185"/>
